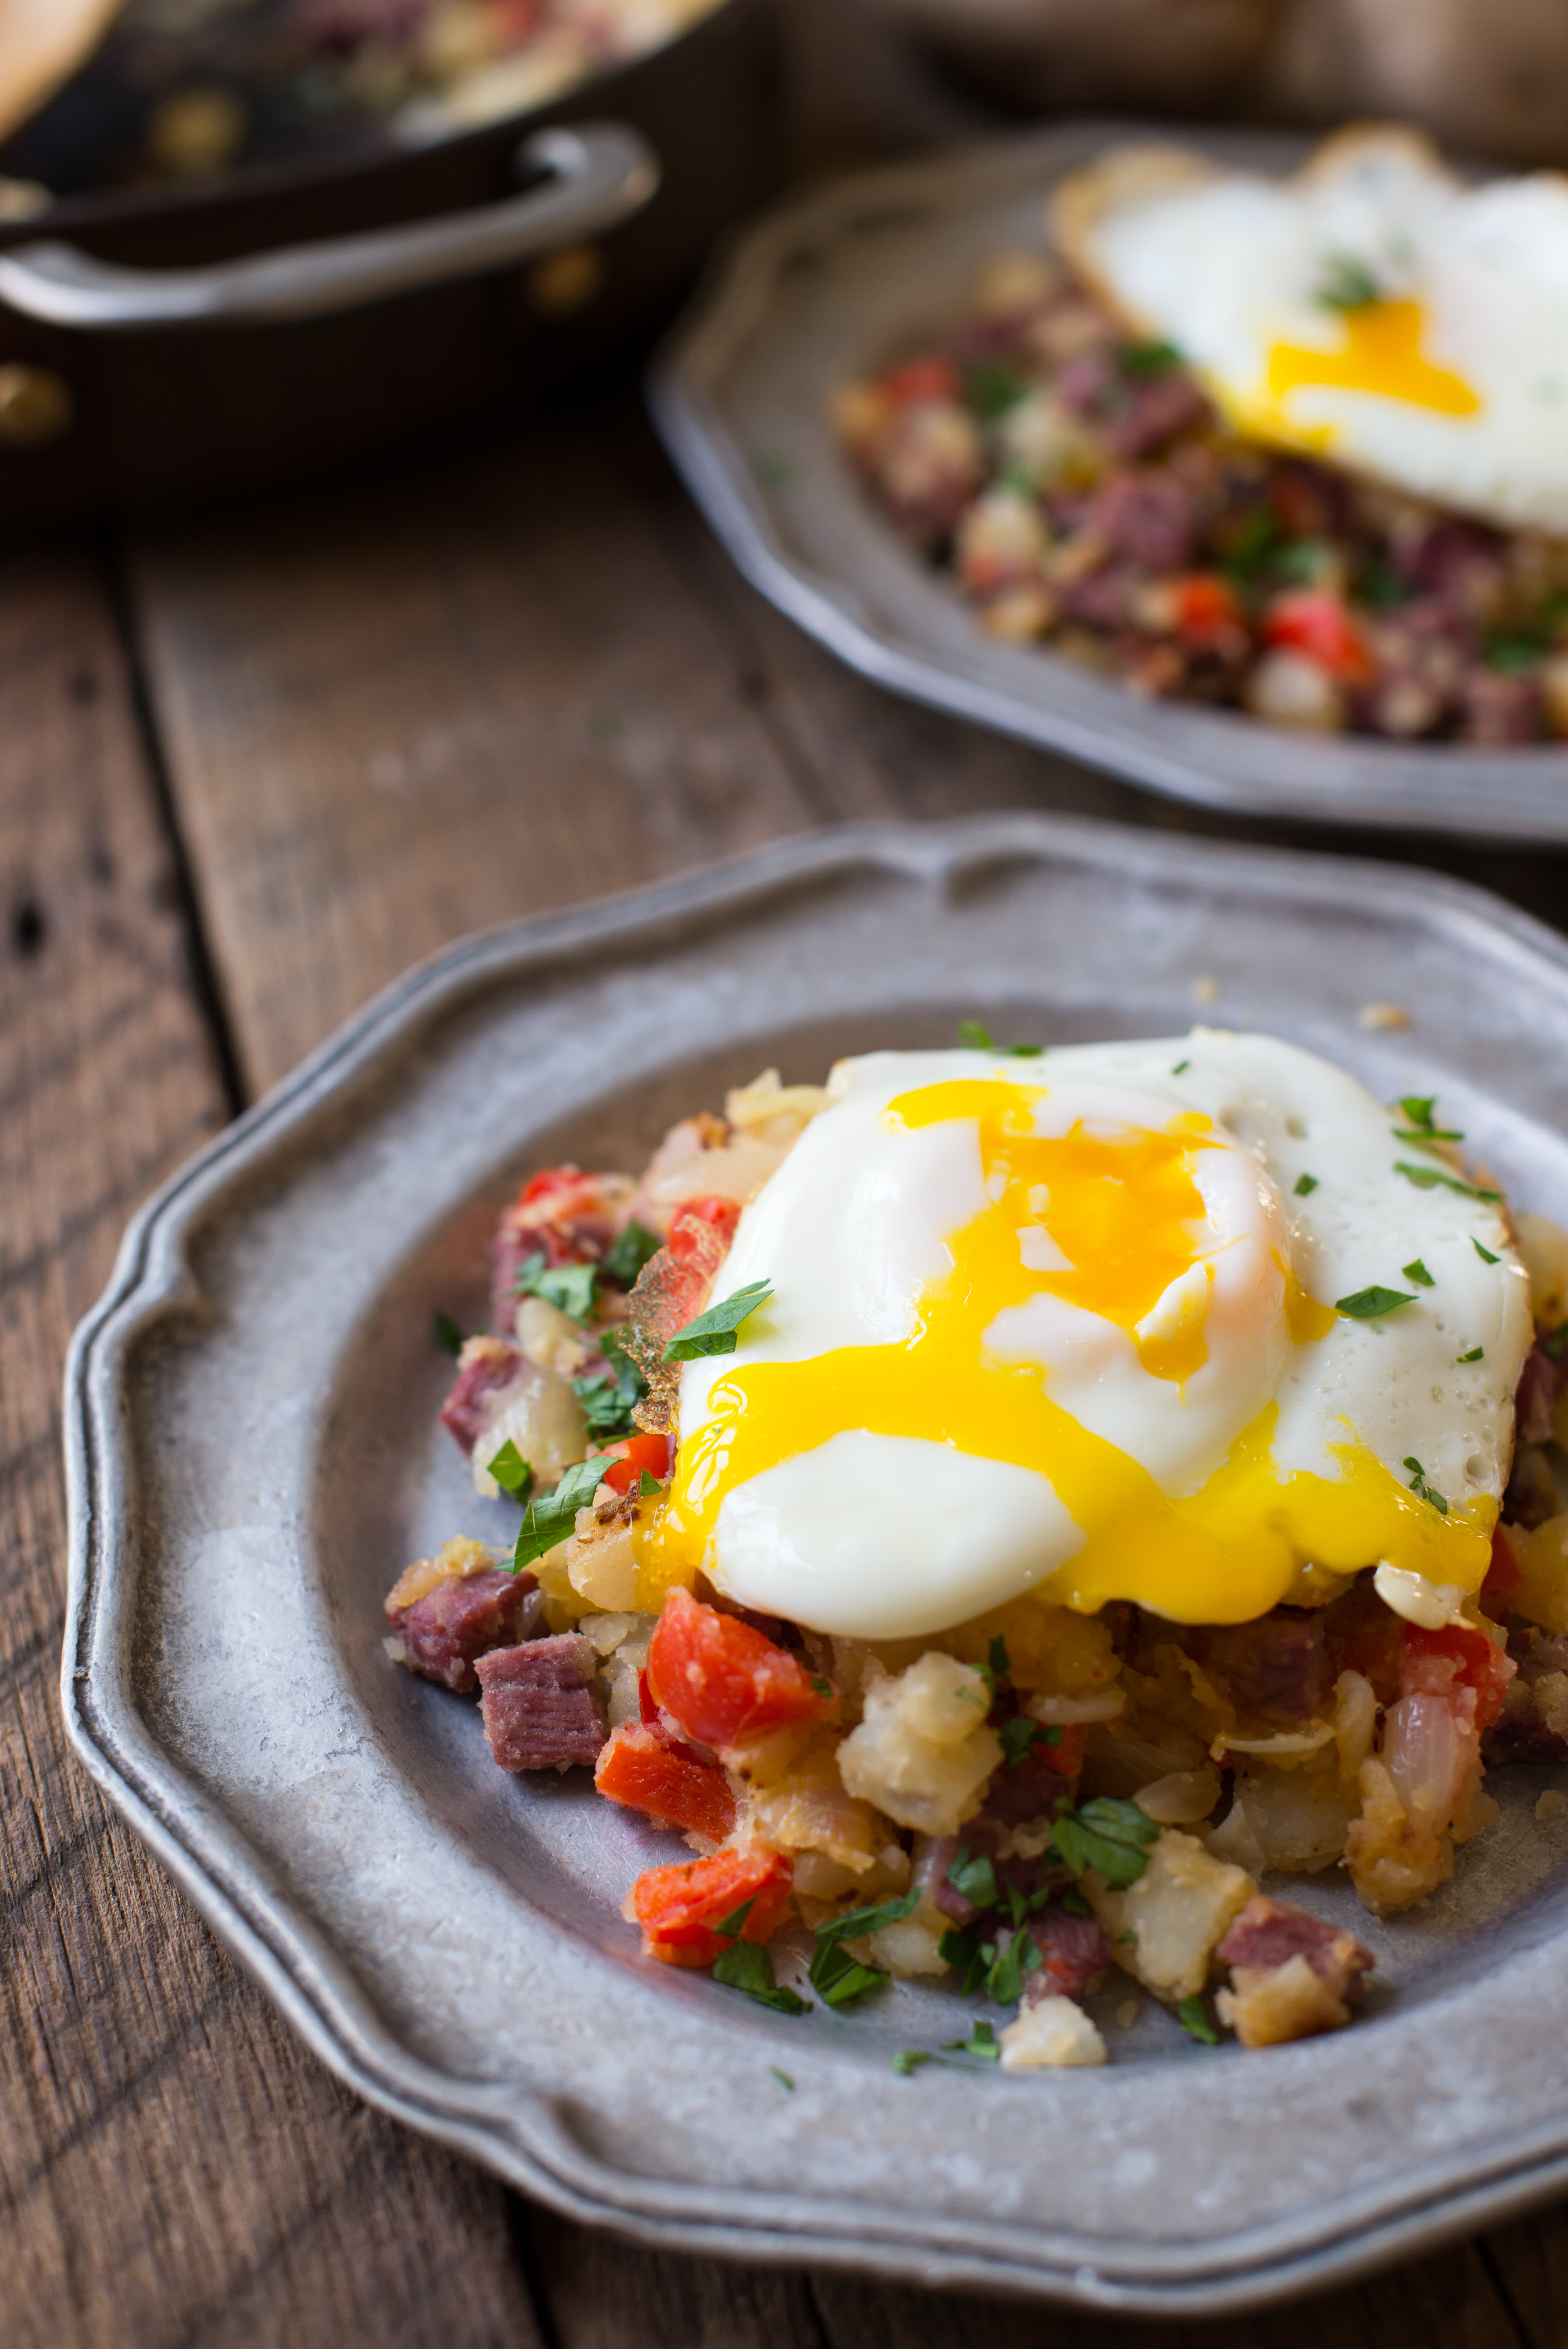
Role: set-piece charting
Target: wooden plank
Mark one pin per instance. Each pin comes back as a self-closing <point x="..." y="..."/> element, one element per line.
<point x="394" y="719"/>
<point x="607" y="2294"/>
<point x="172" y="2164"/>
<point x="1447" y="2301"/>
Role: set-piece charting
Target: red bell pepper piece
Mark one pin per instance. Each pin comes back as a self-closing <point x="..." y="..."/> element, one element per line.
<point x="648" y="1770"/>
<point x="1480" y="1666"/>
<point x="918" y="379"/>
<point x="1310" y="621"/>
<point x="699" y="1226"/>
<point x="725" y="1683"/>
<point x="635" y="1455"/>
<point x="1205" y="607"/>
<point x="677" y="1908"/>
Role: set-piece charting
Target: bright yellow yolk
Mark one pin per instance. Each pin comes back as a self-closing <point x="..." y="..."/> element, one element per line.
<point x="1381" y="352"/>
<point x="1129" y="1216"/>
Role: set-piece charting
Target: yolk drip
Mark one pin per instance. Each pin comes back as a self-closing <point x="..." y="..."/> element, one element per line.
<point x="1125" y="1211"/>
<point x="1381" y="353"/>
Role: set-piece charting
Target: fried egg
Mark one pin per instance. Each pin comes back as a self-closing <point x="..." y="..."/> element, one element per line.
<point x="1070" y="1324"/>
<point x="1373" y="311"/>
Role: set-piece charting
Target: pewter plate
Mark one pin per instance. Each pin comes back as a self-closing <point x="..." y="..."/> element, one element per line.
<point x="834" y="284"/>
<point x="254" y="1453"/>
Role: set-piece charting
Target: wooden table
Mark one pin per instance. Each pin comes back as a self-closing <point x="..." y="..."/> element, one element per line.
<point x="249" y="770"/>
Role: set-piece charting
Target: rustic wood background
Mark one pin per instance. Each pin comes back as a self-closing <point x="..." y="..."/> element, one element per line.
<point x="251" y="767"/>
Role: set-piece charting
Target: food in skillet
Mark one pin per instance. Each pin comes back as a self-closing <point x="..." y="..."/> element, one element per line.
<point x="1001" y="1506"/>
<point x="1293" y="446"/>
<point x="181" y="87"/>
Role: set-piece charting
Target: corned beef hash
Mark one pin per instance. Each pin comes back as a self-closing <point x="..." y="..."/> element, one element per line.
<point x="1000" y="1506"/>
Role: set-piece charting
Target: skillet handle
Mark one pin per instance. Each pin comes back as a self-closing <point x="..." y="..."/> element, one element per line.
<point x="602" y="172"/>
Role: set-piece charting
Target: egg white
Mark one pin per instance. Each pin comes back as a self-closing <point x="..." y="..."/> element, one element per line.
<point x="882" y="1536"/>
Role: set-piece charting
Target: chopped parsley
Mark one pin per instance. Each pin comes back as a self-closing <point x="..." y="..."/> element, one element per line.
<point x="1147" y="358"/>
<point x="1305" y="1185"/>
<point x="570" y="1287"/>
<point x="610" y="1396"/>
<point x="962" y="1946"/>
<point x="1346" y="284"/>
<point x="1181" y="1068"/>
<point x="1020" y="1735"/>
<point x="714" y="1332"/>
<point x="838" y="1978"/>
<point x="511" y="1470"/>
<point x="648" y="1486"/>
<point x="748" y="1966"/>
<point x="992" y="388"/>
<point x="974" y="1880"/>
<point x="1554" y="1341"/>
<point x="1485" y="1255"/>
<point x="1422" y="1489"/>
<point x="1417" y="1271"/>
<point x="1252" y="545"/>
<point x="822" y="1686"/>
<point x="1427" y="1178"/>
<point x="1026" y="1052"/>
<point x="982" y="2041"/>
<point x="623" y="1260"/>
<point x="449" y="1336"/>
<point x="910" y="2059"/>
<point x="1075" y="1904"/>
<point x="974" y="1038"/>
<point x="730" y="1927"/>
<point x="1194" y="2017"/>
<point x="1371" y="1304"/>
<point x="782" y="2077"/>
<point x="550" y="1517"/>
<point x="1476" y="1355"/>
<point x="1005" y="1979"/>
<point x="1107" y="1835"/>
<point x="998" y="1661"/>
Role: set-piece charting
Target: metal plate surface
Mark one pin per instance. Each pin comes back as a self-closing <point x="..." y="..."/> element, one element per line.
<point x="253" y="1454"/>
<point x="843" y="280"/>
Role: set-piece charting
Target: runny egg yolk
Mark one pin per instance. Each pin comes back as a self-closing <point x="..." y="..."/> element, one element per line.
<point x="1111" y="1221"/>
<point x="1381" y="353"/>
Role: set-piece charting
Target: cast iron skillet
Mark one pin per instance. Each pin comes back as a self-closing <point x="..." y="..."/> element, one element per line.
<point x="159" y="348"/>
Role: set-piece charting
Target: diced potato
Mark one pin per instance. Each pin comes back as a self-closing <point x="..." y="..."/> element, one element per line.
<point x="810" y="1810"/>
<point x="1177" y="1914"/>
<point x="547" y="1425"/>
<point x="1053" y="2035"/>
<point x="600" y="1564"/>
<point x="773" y="1112"/>
<point x="923" y="1751"/>
<point x="1288" y="2001"/>
<point x="551" y="1339"/>
<point x="909" y="1949"/>
<point x="1355" y="1725"/>
<point x="1180" y="1798"/>
<point x="1396" y="1857"/>
<point x="453" y="1562"/>
<point x="1297" y="1819"/>
<point x="1543" y="1244"/>
<point x="1541" y="1594"/>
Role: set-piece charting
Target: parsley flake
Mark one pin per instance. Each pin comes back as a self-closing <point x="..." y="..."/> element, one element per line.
<point x="609" y="1397"/>
<point x="1194" y="2017"/>
<point x="730" y="1927"/>
<point x="746" y="1966"/>
<point x="998" y="1661"/>
<point x="1427" y="1178"/>
<point x="1075" y="1904"/>
<point x="511" y="1470"/>
<point x="1417" y="1271"/>
<point x="782" y="2077"/>
<point x="550" y="1517"/>
<point x="715" y="1332"/>
<point x="570" y="1287"/>
<point x="449" y="1336"/>
<point x="1346" y="284"/>
<point x="1147" y="358"/>
<point x="822" y="1686"/>
<point x="1305" y="1185"/>
<point x="1554" y="1341"/>
<point x="838" y="1978"/>
<point x="1181" y="1068"/>
<point x="974" y="1038"/>
<point x="624" y="1259"/>
<point x="1006" y="1980"/>
<point x="1371" y="1304"/>
<point x="1026" y="1052"/>
<point x="1107" y="1835"/>
<point x="974" y="1880"/>
<point x="1422" y="1489"/>
<point x="648" y="1486"/>
<point x="1476" y="1355"/>
<point x="1419" y="1108"/>
<point x="1019" y="1736"/>
<point x="910" y="2059"/>
<point x="1485" y="1255"/>
<point x="982" y="2041"/>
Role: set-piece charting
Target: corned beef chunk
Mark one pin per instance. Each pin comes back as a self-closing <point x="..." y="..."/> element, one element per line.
<point x="490" y="1372"/>
<point x="1269" y="1933"/>
<point x="1533" y="1724"/>
<point x="446" y="1632"/>
<point x="1276" y="1668"/>
<point x="1075" y="1953"/>
<point x="542" y="1705"/>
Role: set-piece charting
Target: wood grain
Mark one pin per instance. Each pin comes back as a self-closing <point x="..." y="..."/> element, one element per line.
<point x="174" y="2166"/>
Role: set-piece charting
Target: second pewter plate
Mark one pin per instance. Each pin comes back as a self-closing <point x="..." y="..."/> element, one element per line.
<point x="837" y="283"/>
<point x="254" y="1454"/>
